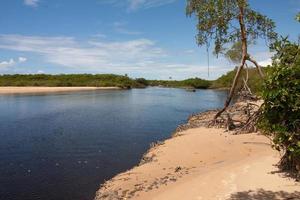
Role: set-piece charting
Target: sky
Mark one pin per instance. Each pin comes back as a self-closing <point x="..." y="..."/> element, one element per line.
<point x="153" y="39"/>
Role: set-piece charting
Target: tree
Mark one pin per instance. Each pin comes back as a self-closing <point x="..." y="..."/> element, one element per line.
<point x="227" y="22"/>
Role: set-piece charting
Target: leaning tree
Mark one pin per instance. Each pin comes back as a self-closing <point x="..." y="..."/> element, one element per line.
<point x="235" y="54"/>
<point x="226" y="22"/>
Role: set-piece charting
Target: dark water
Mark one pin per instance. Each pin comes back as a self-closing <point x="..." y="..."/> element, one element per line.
<point x="63" y="146"/>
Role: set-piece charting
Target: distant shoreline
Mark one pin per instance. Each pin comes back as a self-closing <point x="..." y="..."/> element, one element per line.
<point x="41" y="90"/>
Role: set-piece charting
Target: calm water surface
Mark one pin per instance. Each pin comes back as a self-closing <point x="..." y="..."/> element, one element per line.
<point x="63" y="146"/>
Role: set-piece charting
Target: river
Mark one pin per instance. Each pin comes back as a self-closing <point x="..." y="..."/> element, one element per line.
<point x="63" y="146"/>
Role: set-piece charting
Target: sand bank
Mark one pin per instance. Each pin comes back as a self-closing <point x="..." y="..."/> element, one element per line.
<point x="205" y="163"/>
<point x="28" y="90"/>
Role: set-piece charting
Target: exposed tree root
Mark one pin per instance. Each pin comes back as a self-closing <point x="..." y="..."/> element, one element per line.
<point x="291" y="166"/>
<point x="240" y="117"/>
<point x="245" y="95"/>
<point x="250" y="125"/>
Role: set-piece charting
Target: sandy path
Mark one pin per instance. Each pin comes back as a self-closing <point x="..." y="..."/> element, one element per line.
<point x="27" y="90"/>
<point x="205" y="164"/>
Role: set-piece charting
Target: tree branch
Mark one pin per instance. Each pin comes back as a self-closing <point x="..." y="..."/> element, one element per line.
<point x="258" y="67"/>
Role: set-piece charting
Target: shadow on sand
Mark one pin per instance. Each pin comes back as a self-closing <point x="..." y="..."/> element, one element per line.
<point x="261" y="194"/>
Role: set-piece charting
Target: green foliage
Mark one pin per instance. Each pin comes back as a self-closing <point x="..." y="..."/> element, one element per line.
<point x="188" y="83"/>
<point x="197" y="83"/>
<point x="225" y="81"/>
<point x="281" y="110"/>
<point x="234" y="54"/>
<point x="298" y="17"/>
<point x="99" y="80"/>
<point x="218" y="21"/>
<point x="110" y="80"/>
<point x="142" y="81"/>
<point x="254" y="82"/>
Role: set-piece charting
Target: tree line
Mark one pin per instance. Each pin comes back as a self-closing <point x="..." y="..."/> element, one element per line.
<point x="111" y="80"/>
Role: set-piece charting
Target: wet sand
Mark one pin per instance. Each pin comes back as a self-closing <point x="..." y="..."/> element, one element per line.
<point x="205" y="163"/>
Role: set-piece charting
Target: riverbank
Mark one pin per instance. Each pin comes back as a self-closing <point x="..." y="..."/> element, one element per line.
<point x="40" y="90"/>
<point x="204" y="163"/>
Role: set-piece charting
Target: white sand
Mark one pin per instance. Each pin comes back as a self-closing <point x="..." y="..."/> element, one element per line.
<point x="210" y="164"/>
<point x="26" y="90"/>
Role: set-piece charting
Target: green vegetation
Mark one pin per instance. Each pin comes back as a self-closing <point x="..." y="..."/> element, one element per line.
<point x="280" y="118"/>
<point x="110" y="80"/>
<point x="298" y="17"/>
<point x="224" y="82"/>
<point x="99" y="80"/>
<point x="225" y="23"/>
<point x="188" y="83"/>
<point x="255" y="82"/>
<point x="75" y="80"/>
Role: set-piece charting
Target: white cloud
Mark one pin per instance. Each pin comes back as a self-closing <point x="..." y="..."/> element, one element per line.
<point x="145" y="4"/>
<point x="139" y="57"/>
<point x="22" y="59"/>
<point x="263" y="58"/>
<point x="8" y="63"/>
<point x="32" y="3"/>
<point x="190" y="51"/>
<point x="120" y="27"/>
<point x="133" y="5"/>
<point x="12" y="62"/>
<point x="40" y="72"/>
<point x="265" y="63"/>
<point x="92" y="54"/>
<point x="180" y="71"/>
<point x="99" y="35"/>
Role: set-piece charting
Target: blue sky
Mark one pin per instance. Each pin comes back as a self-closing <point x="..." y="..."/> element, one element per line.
<point x="142" y="38"/>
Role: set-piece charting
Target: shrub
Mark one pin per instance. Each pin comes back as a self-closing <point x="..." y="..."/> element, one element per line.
<point x="142" y="82"/>
<point x="197" y="83"/>
<point x="281" y="111"/>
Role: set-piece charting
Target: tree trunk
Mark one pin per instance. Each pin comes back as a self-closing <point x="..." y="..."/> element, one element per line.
<point x="246" y="87"/>
<point x="257" y="67"/>
<point x="244" y="58"/>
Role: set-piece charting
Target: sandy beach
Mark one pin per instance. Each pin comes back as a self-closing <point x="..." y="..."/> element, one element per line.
<point x="32" y="90"/>
<point x="203" y="164"/>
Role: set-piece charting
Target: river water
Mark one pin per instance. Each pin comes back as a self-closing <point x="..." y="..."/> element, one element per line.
<point x="63" y="146"/>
